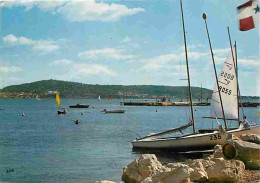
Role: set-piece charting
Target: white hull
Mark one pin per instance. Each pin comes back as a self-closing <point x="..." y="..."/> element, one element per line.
<point x="191" y="142"/>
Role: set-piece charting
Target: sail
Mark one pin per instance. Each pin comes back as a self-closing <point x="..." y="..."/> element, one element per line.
<point x="228" y="88"/>
<point x="99" y="98"/>
<point x="58" y="99"/>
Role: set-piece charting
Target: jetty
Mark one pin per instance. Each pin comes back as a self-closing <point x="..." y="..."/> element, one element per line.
<point x="154" y="103"/>
<point x="169" y="103"/>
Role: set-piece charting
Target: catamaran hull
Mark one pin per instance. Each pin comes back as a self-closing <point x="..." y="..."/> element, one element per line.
<point x="189" y="143"/>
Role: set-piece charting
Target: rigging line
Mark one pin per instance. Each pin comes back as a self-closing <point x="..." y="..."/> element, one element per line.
<point x="184" y="88"/>
<point x="215" y="100"/>
<point x="187" y="69"/>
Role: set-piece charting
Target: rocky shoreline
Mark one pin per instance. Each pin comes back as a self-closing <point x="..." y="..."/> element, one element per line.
<point x="215" y="168"/>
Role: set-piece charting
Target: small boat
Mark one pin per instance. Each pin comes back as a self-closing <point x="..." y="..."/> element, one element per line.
<point x="37" y="97"/>
<point x="79" y="106"/>
<point x="114" y="111"/>
<point x="99" y="98"/>
<point x="63" y="111"/>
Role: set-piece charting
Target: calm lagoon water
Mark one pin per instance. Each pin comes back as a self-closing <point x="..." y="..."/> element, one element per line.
<point x="45" y="147"/>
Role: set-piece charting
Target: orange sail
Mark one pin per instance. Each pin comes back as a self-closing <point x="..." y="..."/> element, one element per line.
<point x="58" y="99"/>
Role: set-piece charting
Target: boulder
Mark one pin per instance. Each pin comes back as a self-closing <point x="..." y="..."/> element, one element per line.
<point x="218" y="153"/>
<point x="171" y="173"/>
<point x="198" y="173"/>
<point x="247" y="152"/>
<point x="219" y="169"/>
<point x="144" y="166"/>
<point x="250" y="138"/>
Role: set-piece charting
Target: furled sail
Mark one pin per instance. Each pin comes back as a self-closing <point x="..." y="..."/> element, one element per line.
<point x="58" y="99"/>
<point x="228" y="88"/>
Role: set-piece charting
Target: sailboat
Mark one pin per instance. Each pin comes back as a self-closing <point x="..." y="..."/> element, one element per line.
<point x="37" y="97"/>
<point x="63" y="111"/>
<point x="99" y="98"/>
<point x="226" y="86"/>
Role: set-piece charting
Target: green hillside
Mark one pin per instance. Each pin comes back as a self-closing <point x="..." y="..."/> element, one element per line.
<point x="79" y="90"/>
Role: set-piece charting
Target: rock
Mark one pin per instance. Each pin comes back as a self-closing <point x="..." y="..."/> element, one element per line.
<point x="198" y="173"/>
<point x="171" y="173"/>
<point x="247" y="152"/>
<point x="105" y="181"/>
<point x="250" y="138"/>
<point x="219" y="169"/>
<point x="147" y="169"/>
<point x="217" y="152"/>
<point x="144" y="166"/>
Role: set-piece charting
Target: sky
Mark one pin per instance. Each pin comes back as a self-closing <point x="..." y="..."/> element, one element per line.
<point x="137" y="42"/>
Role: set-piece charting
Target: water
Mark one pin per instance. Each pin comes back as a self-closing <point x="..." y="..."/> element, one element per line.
<point x="45" y="147"/>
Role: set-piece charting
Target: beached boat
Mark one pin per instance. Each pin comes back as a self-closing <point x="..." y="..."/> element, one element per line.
<point x="79" y="106"/>
<point x="113" y="111"/>
<point x="226" y="88"/>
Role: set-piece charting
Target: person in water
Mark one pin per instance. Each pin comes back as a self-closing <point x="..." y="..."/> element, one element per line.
<point x="76" y="122"/>
<point x="64" y="111"/>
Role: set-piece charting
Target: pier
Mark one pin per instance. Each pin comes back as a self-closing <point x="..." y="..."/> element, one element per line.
<point x="154" y="103"/>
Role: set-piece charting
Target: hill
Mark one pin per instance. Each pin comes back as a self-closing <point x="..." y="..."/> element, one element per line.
<point x="47" y="88"/>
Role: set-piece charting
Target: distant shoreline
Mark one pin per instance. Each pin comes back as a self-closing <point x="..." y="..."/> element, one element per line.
<point x="48" y="88"/>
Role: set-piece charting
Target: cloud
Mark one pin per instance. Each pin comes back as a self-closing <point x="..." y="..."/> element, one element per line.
<point x="95" y="69"/>
<point x="106" y="53"/>
<point x="78" y="11"/>
<point x="222" y="51"/>
<point x="81" y="69"/>
<point x="126" y="40"/>
<point x="159" y="62"/>
<point x="61" y="62"/>
<point x="198" y="60"/>
<point x="194" y="55"/>
<point x="37" y="45"/>
<point x="11" y="69"/>
<point x="249" y="62"/>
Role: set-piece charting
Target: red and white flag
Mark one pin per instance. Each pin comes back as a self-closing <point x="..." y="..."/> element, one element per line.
<point x="248" y="15"/>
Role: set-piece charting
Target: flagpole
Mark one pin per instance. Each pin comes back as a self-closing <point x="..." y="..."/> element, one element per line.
<point x="214" y="66"/>
<point x="187" y="68"/>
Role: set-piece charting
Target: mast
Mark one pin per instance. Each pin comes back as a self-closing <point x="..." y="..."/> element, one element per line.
<point x="216" y="76"/>
<point x="236" y="71"/>
<point x="239" y="94"/>
<point x="236" y="67"/>
<point x="187" y="68"/>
